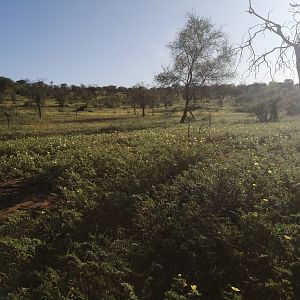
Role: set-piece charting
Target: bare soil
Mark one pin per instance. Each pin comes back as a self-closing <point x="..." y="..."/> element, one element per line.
<point x="16" y="195"/>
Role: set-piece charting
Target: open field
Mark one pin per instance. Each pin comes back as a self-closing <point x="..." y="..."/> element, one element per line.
<point x="117" y="206"/>
<point x="150" y="150"/>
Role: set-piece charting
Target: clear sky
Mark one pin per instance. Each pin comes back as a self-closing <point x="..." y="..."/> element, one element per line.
<point x="104" y="42"/>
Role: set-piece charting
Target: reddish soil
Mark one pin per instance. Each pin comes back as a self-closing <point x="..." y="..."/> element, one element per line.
<point x="16" y="195"/>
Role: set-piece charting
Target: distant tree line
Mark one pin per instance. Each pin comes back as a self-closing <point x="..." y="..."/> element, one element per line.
<point x="259" y="99"/>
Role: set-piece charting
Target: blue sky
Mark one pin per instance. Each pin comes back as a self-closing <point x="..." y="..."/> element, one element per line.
<point x="118" y="42"/>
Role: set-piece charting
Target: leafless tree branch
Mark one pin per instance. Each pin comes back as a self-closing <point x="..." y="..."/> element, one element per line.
<point x="286" y="54"/>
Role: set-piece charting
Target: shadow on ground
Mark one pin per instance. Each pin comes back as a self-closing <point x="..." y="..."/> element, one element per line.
<point x="16" y="195"/>
<point x="91" y="120"/>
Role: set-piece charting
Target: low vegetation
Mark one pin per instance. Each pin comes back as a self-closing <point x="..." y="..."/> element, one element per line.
<point x="105" y="195"/>
<point x="161" y="213"/>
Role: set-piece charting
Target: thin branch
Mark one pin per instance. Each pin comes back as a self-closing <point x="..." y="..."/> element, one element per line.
<point x="284" y="60"/>
<point x="275" y="27"/>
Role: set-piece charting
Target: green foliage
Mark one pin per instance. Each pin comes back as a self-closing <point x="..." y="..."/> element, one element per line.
<point x="5" y="83"/>
<point x="135" y="210"/>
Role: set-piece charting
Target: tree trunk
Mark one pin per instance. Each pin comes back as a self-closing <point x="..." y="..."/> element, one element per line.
<point x="209" y="119"/>
<point x="8" y="120"/>
<point x="40" y="109"/>
<point x="274" y="117"/>
<point x="152" y="104"/>
<point x="192" y="115"/>
<point x="143" y="111"/>
<point x="297" y="54"/>
<point x="182" y="120"/>
<point x="38" y="101"/>
<point x="186" y="108"/>
<point x="221" y="101"/>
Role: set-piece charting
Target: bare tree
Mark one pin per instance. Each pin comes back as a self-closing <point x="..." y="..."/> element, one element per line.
<point x="37" y="94"/>
<point x="200" y="55"/>
<point x="7" y="113"/>
<point x="286" y="53"/>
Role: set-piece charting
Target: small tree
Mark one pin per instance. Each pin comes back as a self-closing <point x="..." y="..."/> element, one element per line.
<point x="201" y="54"/>
<point x="140" y="97"/>
<point x="37" y="93"/>
<point x="263" y="101"/>
<point x="7" y="112"/>
<point x="85" y="94"/>
<point x="220" y="92"/>
<point x="5" y="84"/>
<point x="61" y="94"/>
<point x="167" y="96"/>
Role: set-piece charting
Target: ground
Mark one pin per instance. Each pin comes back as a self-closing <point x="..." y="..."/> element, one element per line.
<point x="16" y="195"/>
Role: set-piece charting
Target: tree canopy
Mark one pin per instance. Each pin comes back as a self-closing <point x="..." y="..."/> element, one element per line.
<point x="200" y="54"/>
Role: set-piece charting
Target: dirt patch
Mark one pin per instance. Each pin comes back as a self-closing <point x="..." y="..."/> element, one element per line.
<point x="92" y="120"/>
<point x="17" y="195"/>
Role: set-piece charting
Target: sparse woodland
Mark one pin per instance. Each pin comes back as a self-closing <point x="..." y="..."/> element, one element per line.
<point x="186" y="190"/>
